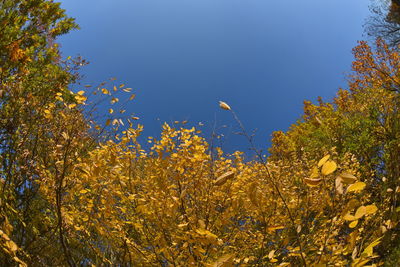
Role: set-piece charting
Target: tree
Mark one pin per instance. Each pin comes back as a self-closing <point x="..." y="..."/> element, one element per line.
<point x="385" y="21"/>
<point x="72" y="196"/>
<point x="361" y="121"/>
<point x="36" y="115"/>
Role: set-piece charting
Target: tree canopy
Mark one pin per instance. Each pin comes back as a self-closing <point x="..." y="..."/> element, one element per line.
<point x="75" y="191"/>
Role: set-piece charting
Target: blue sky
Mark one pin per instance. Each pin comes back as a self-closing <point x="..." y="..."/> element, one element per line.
<point x="263" y="57"/>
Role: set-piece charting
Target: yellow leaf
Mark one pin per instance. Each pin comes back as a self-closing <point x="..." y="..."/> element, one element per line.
<point x="370" y="249"/>
<point x="65" y="135"/>
<point x="348" y="178"/>
<point x="361" y="211"/>
<point x="21" y="263"/>
<point x="352" y="239"/>
<point x="349" y="217"/>
<point x="80" y="99"/>
<point x="224" y="105"/>
<point x="111" y="111"/>
<point x="81" y="92"/>
<point x="339" y="185"/>
<point x="11" y="246"/>
<point x="360" y="263"/>
<point x="353" y="203"/>
<point x="223" y="178"/>
<point x="328" y="167"/>
<point x="353" y="224"/>
<point x="271" y="254"/>
<point x="4" y="236"/>
<point x="132" y="97"/>
<point x="323" y="160"/>
<point x="182" y="225"/>
<point x="206" y="233"/>
<point x="105" y="91"/>
<point x="356" y="187"/>
<point x="312" y="182"/>
<point x="272" y="229"/>
<point x="371" y="209"/>
<point x="202" y="224"/>
<point x="314" y="172"/>
<point x="224" y="261"/>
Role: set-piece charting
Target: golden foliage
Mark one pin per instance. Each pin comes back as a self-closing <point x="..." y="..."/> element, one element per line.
<point x="74" y="196"/>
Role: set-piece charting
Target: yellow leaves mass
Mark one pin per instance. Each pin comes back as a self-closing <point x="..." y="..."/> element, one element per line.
<point x="169" y="199"/>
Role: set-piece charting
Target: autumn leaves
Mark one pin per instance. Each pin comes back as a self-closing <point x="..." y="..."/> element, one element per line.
<point x="224" y="105"/>
<point x="329" y="167"/>
<point x="80" y="192"/>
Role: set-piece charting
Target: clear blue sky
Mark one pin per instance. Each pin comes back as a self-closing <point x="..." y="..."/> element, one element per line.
<point x="263" y="57"/>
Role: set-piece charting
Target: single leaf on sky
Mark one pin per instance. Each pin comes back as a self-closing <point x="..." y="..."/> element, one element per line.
<point x="224" y="105"/>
